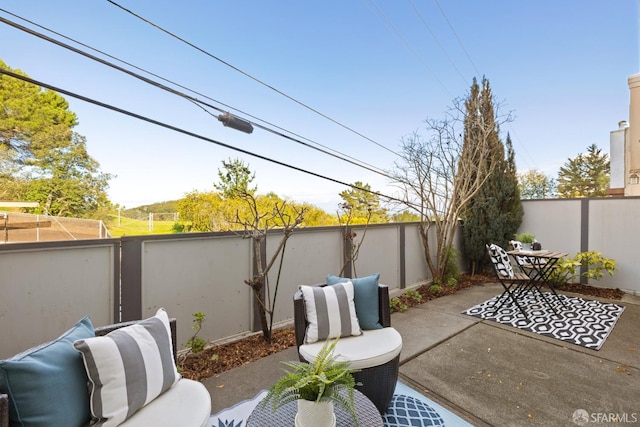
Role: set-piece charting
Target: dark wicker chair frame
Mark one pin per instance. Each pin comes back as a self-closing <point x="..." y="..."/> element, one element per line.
<point x="100" y="331"/>
<point x="4" y="410"/>
<point x="378" y="382"/>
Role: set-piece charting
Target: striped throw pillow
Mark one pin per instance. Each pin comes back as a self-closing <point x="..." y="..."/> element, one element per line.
<point x="128" y="368"/>
<point x="330" y="312"/>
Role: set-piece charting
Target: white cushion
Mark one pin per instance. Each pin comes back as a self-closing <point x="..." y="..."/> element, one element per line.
<point x="500" y="260"/>
<point x="128" y="368"/>
<point x="187" y="404"/>
<point x="330" y="312"/>
<point x="373" y="348"/>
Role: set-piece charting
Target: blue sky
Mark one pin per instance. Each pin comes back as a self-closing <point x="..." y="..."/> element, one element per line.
<point x="380" y="67"/>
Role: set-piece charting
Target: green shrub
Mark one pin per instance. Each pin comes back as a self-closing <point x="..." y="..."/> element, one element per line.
<point x="396" y="305"/>
<point x="196" y="344"/>
<point x="452" y="282"/>
<point x="435" y="289"/>
<point x="565" y="270"/>
<point x="451" y="269"/>
<point x="414" y="295"/>
<point x="179" y="228"/>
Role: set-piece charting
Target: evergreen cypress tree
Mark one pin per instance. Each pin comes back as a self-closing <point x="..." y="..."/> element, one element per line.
<point x="495" y="213"/>
<point x="510" y="192"/>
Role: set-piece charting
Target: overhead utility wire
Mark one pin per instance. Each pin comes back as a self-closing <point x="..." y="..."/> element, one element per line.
<point x="478" y="72"/>
<point x="192" y="134"/>
<point x="253" y="78"/>
<point x="424" y="22"/>
<point x="196" y="101"/>
<point x="358" y="162"/>
<point x="408" y="45"/>
<point x="457" y="38"/>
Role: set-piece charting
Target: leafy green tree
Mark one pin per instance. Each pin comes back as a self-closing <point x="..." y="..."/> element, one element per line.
<point x="495" y="212"/>
<point x="41" y="158"/>
<point x="10" y="181"/>
<point x="314" y="216"/>
<point x="201" y="212"/>
<point x="534" y="184"/>
<point x="208" y="211"/>
<point x="235" y="179"/>
<point x="143" y="211"/>
<point x="405" y="216"/>
<point x="32" y="121"/>
<point x="364" y="205"/>
<point x="69" y="182"/>
<point x="586" y="175"/>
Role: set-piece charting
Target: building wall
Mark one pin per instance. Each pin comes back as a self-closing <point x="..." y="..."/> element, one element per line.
<point x="632" y="150"/>
<point x="616" y="156"/>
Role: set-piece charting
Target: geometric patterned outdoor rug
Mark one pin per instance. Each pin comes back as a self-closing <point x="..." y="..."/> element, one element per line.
<point x="583" y="322"/>
<point x="408" y="408"/>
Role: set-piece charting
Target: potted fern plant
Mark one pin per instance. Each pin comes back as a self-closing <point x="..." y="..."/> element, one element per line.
<point x="316" y="387"/>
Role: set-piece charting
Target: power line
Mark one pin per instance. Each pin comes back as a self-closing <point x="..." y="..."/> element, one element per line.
<point x="192" y="134"/>
<point x="252" y="77"/>
<point x="457" y="38"/>
<point x="517" y="137"/>
<point x="408" y="45"/>
<point x="424" y="22"/>
<point x="477" y="72"/>
<point x="197" y="102"/>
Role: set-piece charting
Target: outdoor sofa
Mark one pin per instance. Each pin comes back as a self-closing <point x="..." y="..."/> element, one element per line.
<point x="184" y="403"/>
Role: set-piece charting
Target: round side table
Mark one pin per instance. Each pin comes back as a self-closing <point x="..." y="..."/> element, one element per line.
<point x="368" y="415"/>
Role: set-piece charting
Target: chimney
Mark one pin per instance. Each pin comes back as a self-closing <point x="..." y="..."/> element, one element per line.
<point x="617" y="148"/>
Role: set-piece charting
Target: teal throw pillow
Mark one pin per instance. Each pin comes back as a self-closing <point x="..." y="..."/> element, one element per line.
<point x="47" y="384"/>
<point x="365" y="299"/>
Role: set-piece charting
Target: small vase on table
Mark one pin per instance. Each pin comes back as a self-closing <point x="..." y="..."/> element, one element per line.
<point x="315" y="414"/>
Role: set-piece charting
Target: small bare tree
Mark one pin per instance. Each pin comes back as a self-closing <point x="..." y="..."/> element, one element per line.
<point x="440" y="175"/>
<point x="345" y="216"/>
<point x="252" y="217"/>
<point x="255" y="225"/>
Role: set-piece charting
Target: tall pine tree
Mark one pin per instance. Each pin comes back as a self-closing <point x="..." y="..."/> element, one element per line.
<point x="586" y="175"/>
<point x="495" y="212"/>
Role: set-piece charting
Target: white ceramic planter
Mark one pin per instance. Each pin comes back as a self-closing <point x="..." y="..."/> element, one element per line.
<point x="315" y="414"/>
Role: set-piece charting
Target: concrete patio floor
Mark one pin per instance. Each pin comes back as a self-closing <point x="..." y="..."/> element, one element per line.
<point x="491" y="374"/>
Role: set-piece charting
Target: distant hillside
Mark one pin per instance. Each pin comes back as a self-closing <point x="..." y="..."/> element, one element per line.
<point x="142" y="212"/>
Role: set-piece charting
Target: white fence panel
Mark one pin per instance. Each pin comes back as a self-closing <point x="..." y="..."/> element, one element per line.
<point x="206" y="275"/>
<point x="614" y="232"/>
<point x="45" y="291"/>
<point x="379" y="253"/>
<point x="47" y="287"/>
<point x="310" y="255"/>
<point x="416" y="268"/>
<point x="555" y="223"/>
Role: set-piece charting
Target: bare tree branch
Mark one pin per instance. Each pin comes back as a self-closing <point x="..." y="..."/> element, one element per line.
<point x="440" y="175"/>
